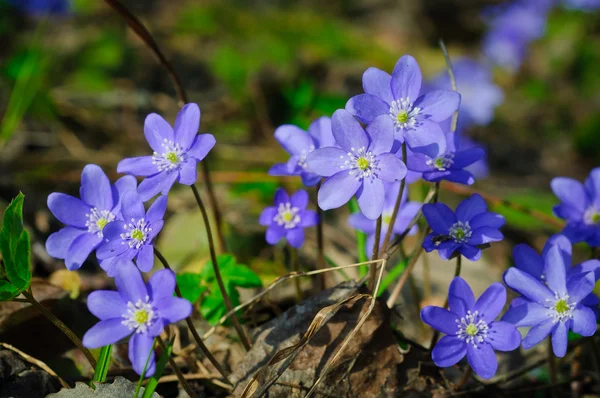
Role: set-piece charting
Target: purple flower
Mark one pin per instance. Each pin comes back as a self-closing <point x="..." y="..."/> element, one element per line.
<point x="138" y="310"/>
<point x="449" y="165"/>
<point x="480" y="169"/>
<point x="42" y="7"/>
<point x="288" y="218"/>
<point x="582" y="5"/>
<point x="406" y="212"/>
<point x="465" y="231"/>
<point x="299" y="144"/>
<point x="415" y="118"/>
<point x="580" y="207"/>
<point x="471" y="329"/>
<point x="553" y="302"/>
<point x="359" y="166"/>
<point x="176" y="152"/>
<point x="85" y="218"/>
<point x="131" y="238"/>
<point x="479" y="95"/>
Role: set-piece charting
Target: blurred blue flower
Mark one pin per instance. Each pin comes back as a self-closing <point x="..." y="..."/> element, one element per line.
<point x="471" y="328"/>
<point x="132" y="237"/>
<point x="582" y="5"/>
<point x="415" y="117"/>
<point x="580" y="207"/>
<point x="406" y="212"/>
<point x="42" y="7"/>
<point x="299" y="144"/>
<point x="176" y="152"/>
<point x="360" y="164"/>
<point x="464" y="231"/>
<point x="288" y="218"/>
<point x="85" y="218"/>
<point x="138" y="310"/>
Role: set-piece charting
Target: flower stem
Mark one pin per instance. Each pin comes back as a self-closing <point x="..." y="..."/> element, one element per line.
<point x="373" y="267"/>
<point x="388" y="233"/>
<point x="186" y="386"/>
<point x="321" y="279"/>
<point x="213" y="257"/>
<point x="464" y="379"/>
<point x="552" y="363"/>
<point x="436" y="333"/>
<point x="295" y="266"/>
<point x="191" y="326"/>
<point x="63" y="328"/>
<point x="458" y="266"/>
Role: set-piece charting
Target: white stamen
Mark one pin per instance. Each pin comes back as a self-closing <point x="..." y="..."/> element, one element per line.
<point x="362" y="164"/>
<point x="471" y="329"/>
<point x="560" y="309"/>
<point x="442" y="162"/>
<point x="171" y="157"/>
<point x="302" y="161"/>
<point x="140" y="316"/>
<point x="591" y="216"/>
<point x="403" y="113"/>
<point x="136" y="233"/>
<point x="97" y="220"/>
<point x="287" y="216"/>
<point x="460" y="231"/>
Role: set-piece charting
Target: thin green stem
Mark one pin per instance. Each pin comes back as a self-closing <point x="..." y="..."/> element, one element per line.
<point x="186" y="386"/>
<point x="552" y="364"/>
<point x="321" y="264"/>
<point x="458" y="265"/>
<point x="191" y="326"/>
<point x="392" y="222"/>
<point x="213" y="257"/>
<point x="63" y="328"/>
<point x="373" y="268"/>
<point x="295" y="266"/>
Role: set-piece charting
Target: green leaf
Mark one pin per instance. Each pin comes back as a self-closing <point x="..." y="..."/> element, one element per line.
<point x="213" y="307"/>
<point x="391" y="276"/>
<point x="15" y="245"/>
<point x="573" y="336"/>
<point x="190" y="286"/>
<point x="103" y="364"/>
<point x="8" y="291"/>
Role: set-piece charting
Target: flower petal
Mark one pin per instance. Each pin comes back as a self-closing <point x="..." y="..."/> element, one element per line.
<point x="366" y="107"/>
<point x="337" y="190"/>
<point x="186" y="125"/>
<point x="503" y="336"/>
<point x="326" y="161"/>
<point x="173" y="309"/>
<point x="487" y="219"/>
<point x="188" y="173"/>
<point x="447" y="249"/>
<point x="295" y="237"/>
<point x="267" y="216"/>
<point x="310" y="179"/>
<point x="560" y="338"/>
<point x="299" y="199"/>
<point x="281" y="196"/>
<point x="80" y="249"/>
<point x="111" y="249"/>
<point x="556" y="275"/>
<point x="472" y="253"/>
<point x="391" y="169"/>
<point x="141" y="351"/>
<point x="440" y="319"/>
<point x="362" y="223"/>
<point x="378" y="83"/>
<point x="294" y="140"/>
<point x="157" y="209"/>
<point x="156" y="130"/>
<point x="538" y="333"/>
<point x="448" y="351"/>
<point x="130" y="283"/>
<point x="460" y="297"/>
<point x="123" y="184"/>
<point x="584" y="321"/>
<point x="201" y="146"/>
<point x="59" y="242"/>
<point x="308" y="218"/>
<point x="152" y="186"/>
<point x="527" y="285"/>
<point x="106" y="304"/>
<point x="439" y="217"/>
<point x="484" y="235"/>
<point x="348" y="132"/>
<point x="580" y="285"/>
<point x="142" y="166"/>
<point x="161" y="285"/>
<point x="470" y="207"/>
<point x="585" y="267"/>
<point x="406" y="79"/>
<point x="467" y="157"/>
<point x="483" y="360"/>
<point x="592" y="185"/>
<point x="426" y="137"/>
<point x="95" y="188"/>
<point x="132" y="206"/>
<point x="320" y="131"/>
<point x="145" y="258"/>
<point x="370" y="197"/>
<point x="528" y="260"/>
<point x="570" y="192"/>
<point x="274" y="234"/>
<point x="491" y="302"/>
<point x="105" y="332"/>
<point x="438" y="105"/>
<point x="381" y="132"/>
<point x="68" y="209"/>
<point x="527" y="313"/>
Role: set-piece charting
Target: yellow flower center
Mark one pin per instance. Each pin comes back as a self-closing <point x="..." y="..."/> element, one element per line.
<point x="561" y="306"/>
<point x="471" y="329"/>
<point x="387" y="219"/>
<point x="402" y="116"/>
<point x="101" y="223"/>
<point x="172" y="157"/>
<point x="362" y="163"/>
<point x="141" y="316"/>
<point x="137" y="234"/>
<point x="287" y="216"/>
<point x="596" y="218"/>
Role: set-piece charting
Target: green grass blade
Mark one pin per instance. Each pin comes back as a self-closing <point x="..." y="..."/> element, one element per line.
<point x="391" y="276"/>
<point x="160" y="368"/>
<point x="361" y="240"/>
<point x="103" y="364"/>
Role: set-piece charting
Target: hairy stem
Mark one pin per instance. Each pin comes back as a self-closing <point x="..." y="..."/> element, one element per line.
<point x="388" y="233"/>
<point x="186" y="386"/>
<point x="373" y="269"/>
<point x="552" y="363"/>
<point x="436" y="333"/>
<point x="295" y="266"/>
<point x="63" y="328"/>
<point x="191" y="326"/>
<point x="213" y="257"/>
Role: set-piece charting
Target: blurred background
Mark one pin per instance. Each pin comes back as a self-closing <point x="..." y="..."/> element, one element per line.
<point x="76" y="84"/>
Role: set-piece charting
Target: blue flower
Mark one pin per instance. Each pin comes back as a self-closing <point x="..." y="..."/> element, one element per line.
<point x="465" y="231"/>
<point x="42" y="7"/>
<point x="580" y="207"/>
<point x="288" y="218"/>
<point x="85" y="218"/>
<point x="554" y="299"/>
<point x="415" y="117"/>
<point x="359" y="166"/>
<point x="406" y="212"/>
<point x="299" y="144"/>
<point x="582" y="5"/>
<point x="138" y="310"/>
<point x="132" y="237"/>
<point x="176" y="152"/>
<point x="471" y="329"/>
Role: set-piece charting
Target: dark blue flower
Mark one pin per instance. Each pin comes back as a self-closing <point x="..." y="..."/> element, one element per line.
<point x="299" y="144"/>
<point x="85" y="218"/>
<point x="176" y="152"/>
<point x="288" y="218"/>
<point x="471" y="328"/>
<point x="138" y="310"/>
<point x="415" y="117"/>
<point x="465" y="231"/>
<point x="580" y="207"/>
<point x="132" y="237"/>
<point x="360" y="164"/>
<point x="42" y="7"/>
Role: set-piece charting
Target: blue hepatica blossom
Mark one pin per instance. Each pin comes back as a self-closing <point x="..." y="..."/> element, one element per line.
<point x="464" y="231"/>
<point x="42" y="7"/>
<point x="85" y="218"/>
<point x="132" y="237"/>
<point x="449" y="165"/>
<point x="582" y="5"/>
<point x="288" y="218"/>
<point x="299" y="144"/>
<point x="138" y="310"/>
<point x="359" y="166"/>
<point x="471" y="328"/>
<point x="396" y="97"/>
<point x="552" y="306"/>
<point x="407" y="211"/>
<point x="176" y="152"/>
<point x="580" y="207"/>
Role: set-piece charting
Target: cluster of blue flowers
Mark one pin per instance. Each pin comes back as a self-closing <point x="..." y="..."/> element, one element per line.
<point x="111" y="219"/>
